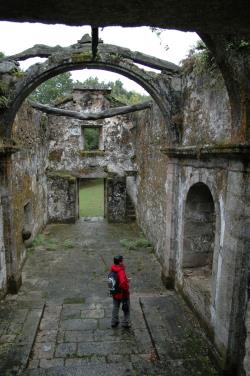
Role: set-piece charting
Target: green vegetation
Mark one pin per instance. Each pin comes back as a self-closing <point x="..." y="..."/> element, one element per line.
<point x="59" y="87"/>
<point x="42" y="240"/>
<point x="121" y="95"/>
<point x="3" y="102"/>
<point x="91" y="138"/>
<point x="133" y="244"/>
<point x="238" y="45"/>
<point x="91" y="198"/>
<point x="50" y="90"/>
<point x="200" y="60"/>
<point x="68" y="243"/>
<point x="1" y="55"/>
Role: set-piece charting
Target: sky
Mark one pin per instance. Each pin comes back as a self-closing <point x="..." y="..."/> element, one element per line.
<point x="16" y="37"/>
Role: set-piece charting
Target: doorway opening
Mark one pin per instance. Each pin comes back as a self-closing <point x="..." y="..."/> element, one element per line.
<point x="91" y="198"/>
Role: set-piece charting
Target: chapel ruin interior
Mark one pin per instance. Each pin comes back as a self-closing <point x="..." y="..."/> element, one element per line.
<point x="177" y="164"/>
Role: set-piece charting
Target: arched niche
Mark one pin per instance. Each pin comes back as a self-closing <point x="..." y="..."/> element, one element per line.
<point x="199" y="228"/>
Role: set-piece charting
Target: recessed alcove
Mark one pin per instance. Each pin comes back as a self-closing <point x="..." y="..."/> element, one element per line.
<point x="198" y="247"/>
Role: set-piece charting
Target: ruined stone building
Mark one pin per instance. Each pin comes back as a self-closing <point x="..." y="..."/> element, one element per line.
<point x="70" y="161"/>
<point x="184" y="162"/>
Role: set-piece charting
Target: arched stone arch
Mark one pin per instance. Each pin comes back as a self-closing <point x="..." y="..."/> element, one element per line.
<point x="74" y="57"/>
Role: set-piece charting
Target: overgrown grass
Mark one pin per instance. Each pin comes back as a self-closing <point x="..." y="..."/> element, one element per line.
<point x="91" y="198"/>
<point x="41" y="240"/>
<point x="68" y="243"/>
<point x="133" y="244"/>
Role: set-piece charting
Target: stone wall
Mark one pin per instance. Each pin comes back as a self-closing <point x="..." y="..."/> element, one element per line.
<point x="215" y="289"/>
<point x="68" y="156"/>
<point x="213" y="294"/>
<point x="66" y="149"/>
<point x="27" y="189"/>
<point x="62" y="198"/>
<point x="3" y="271"/>
<point x="116" y="199"/>
<point x="206" y="109"/>
<point x="152" y="173"/>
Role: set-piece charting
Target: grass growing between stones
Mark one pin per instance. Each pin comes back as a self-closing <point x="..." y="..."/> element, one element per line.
<point x="41" y="240"/>
<point x="133" y="244"/>
<point x="68" y="244"/>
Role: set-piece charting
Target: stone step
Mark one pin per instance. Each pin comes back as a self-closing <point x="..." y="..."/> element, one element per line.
<point x="88" y="370"/>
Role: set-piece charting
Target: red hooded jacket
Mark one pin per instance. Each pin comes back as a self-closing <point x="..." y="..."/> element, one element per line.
<point x="122" y="281"/>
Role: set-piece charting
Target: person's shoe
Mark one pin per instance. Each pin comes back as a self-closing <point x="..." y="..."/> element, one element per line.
<point x="114" y="325"/>
<point x="126" y="326"/>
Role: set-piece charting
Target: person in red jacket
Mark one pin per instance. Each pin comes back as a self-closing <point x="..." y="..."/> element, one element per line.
<point x="122" y="294"/>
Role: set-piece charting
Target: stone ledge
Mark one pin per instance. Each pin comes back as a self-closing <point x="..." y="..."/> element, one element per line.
<point x="92" y="153"/>
<point x="61" y="175"/>
<point x="236" y="151"/>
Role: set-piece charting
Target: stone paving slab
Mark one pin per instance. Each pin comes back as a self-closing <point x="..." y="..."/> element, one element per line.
<point x="75" y="335"/>
<point x="177" y="337"/>
<point x="17" y="335"/>
<point x="88" y="370"/>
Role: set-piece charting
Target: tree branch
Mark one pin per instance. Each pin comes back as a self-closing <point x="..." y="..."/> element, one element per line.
<point x="91" y="115"/>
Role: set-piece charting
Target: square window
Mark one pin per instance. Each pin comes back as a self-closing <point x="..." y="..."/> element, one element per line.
<point x="91" y="138"/>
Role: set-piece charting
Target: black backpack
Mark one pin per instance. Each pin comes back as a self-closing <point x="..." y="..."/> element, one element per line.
<point x="113" y="283"/>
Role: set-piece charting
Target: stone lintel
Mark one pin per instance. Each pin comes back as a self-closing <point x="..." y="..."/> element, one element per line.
<point x="85" y="173"/>
<point x="92" y="153"/>
<point x="234" y="151"/>
<point x="62" y="175"/>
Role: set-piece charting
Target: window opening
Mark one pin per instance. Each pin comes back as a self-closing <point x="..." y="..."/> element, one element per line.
<point x="91" y="138"/>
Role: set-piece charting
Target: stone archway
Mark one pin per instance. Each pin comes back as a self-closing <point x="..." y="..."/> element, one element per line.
<point x="79" y="56"/>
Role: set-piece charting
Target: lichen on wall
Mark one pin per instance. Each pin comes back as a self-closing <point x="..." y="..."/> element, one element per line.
<point x="62" y="198"/>
<point x="205" y="109"/>
<point x="67" y="152"/>
<point x="150" y="135"/>
<point x="28" y="179"/>
<point x="66" y="142"/>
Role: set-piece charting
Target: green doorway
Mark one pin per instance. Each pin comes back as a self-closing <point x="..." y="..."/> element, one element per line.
<point x="91" y="198"/>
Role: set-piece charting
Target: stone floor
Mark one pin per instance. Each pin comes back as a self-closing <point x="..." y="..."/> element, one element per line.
<point x="59" y="323"/>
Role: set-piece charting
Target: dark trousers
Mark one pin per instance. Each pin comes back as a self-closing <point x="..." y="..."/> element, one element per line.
<point x="115" y="312"/>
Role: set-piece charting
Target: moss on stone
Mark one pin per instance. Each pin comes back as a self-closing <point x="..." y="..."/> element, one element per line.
<point x="91" y="153"/>
<point x="3" y="88"/>
<point x="55" y="155"/>
<point x="61" y="174"/>
<point x="114" y="58"/>
<point x="78" y="57"/>
<point x="44" y="121"/>
<point x="18" y="73"/>
<point x="3" y="102"/>
<point x="63" y="99"/>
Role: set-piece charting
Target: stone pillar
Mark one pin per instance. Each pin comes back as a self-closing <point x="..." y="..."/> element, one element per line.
<point x="62" y="198"/>
<point x="116" y="199"/>
<point x="13" y="269"/>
